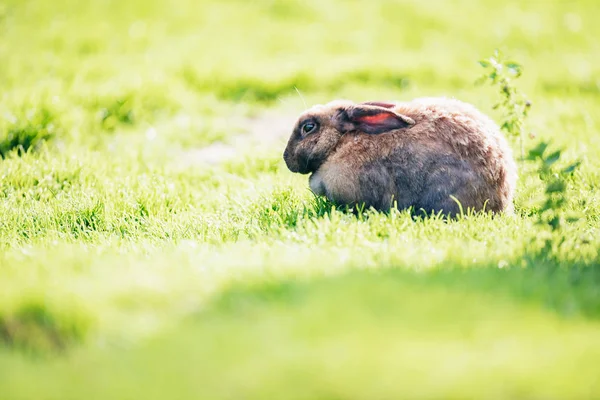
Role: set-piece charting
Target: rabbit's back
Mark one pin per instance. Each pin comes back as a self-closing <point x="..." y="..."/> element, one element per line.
<point x="472" y="143"/>
<point x="452" y="152"/>
<point x="458" y="126"/>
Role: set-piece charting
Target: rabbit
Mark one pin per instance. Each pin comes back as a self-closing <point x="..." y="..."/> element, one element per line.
<point x="433" y="155"/>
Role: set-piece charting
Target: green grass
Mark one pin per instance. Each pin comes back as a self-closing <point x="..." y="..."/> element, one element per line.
<point x="132" y="267"/>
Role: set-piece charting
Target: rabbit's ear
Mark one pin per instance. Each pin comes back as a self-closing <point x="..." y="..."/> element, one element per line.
<point x="373" y="119"/>
<point x="383" y="104"/>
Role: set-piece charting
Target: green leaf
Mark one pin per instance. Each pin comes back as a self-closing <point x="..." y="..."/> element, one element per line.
<point x="538" y="151"/>
<point x="556" y="187"/>
<point x="484" y="63"/>
<point x="554" y="222"/>
<point x="552" y="158"/>
<point x="514" y="68"/>
<point x="549" y="204"/>
<point x="571" y="168"/>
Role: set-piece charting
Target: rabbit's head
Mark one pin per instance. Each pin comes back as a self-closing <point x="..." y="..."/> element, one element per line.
<point x="320" y="128"/>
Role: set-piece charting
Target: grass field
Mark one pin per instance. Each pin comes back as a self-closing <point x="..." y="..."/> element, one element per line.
<point x="155" y="246"/>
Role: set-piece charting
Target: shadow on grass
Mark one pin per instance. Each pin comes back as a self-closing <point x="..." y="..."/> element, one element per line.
<point x="365" y="334"/>
<point x="570" y="291"/>
<point x="37" y="329"/>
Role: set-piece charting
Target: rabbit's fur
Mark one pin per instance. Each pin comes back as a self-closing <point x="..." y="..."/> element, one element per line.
<point x="417" y="154"/>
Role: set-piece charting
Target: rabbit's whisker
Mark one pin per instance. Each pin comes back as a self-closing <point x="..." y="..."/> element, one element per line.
<point x="282" y="101"/>
<point x="301" y="97"/>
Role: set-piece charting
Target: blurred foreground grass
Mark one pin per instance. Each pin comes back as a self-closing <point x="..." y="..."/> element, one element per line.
<point x="155" y="246"/>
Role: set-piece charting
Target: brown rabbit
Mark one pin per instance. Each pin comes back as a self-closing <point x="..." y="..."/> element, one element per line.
<point x="426" y="154"/>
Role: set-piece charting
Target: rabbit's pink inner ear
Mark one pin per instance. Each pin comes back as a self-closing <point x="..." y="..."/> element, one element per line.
<point x="376" y="119"/>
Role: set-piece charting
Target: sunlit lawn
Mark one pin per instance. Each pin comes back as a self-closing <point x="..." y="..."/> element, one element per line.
<point x="154" y="245"/>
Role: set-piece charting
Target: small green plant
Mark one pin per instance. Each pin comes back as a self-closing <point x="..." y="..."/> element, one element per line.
<point x="551" y="212"/>
<point x="515" y="106"/>
<point x="500" y="72"/>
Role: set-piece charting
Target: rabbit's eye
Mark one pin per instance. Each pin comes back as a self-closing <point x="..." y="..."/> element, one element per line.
<point x="308" y="127"/>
